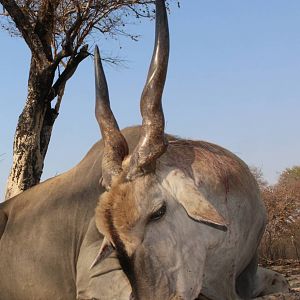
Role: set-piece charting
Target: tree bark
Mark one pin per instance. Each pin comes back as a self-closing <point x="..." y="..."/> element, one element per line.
<point x="30" y="142"/>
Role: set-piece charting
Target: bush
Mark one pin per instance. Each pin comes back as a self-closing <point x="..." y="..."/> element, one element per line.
<point x="282" y="200"/>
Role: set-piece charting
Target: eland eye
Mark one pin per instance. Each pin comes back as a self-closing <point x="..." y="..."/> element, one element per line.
<point x="158" y="213"/>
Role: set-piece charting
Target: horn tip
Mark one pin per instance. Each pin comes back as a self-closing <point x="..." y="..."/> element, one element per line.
<point x="96" y="52"/>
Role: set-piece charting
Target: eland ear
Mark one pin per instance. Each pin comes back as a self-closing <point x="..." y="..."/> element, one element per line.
<point x="105" y="250"/>
<point x="194" y="202"/>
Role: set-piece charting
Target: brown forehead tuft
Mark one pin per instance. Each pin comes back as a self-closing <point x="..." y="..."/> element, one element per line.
<point x="119" y="208"/>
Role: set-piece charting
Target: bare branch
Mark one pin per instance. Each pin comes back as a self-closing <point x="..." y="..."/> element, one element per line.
<point x="45" y="24"/>
<point x="22" y="23"/>
<point x="59" y="98"/>
<point x="68" y="72"/>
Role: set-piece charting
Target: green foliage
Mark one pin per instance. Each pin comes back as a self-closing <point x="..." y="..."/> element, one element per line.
<point x="290" y="175"/>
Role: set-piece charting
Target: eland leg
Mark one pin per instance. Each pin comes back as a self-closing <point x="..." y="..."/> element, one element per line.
<point x="269" y="282"/>
<point x="256" y="281"/>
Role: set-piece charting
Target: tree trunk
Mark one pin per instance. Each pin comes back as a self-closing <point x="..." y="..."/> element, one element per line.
<point x="36" y="121"/>
<point x="33" y="132"/>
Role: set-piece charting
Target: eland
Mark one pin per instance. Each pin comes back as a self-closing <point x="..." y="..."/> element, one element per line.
<point x="176" y="219"/>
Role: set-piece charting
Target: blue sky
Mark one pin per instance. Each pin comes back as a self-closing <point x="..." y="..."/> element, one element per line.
<point x="233" y="80"/>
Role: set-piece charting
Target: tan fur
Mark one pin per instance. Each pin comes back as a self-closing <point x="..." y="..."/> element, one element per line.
<point x="116" y="205"/>
<point x="122" y="207"/>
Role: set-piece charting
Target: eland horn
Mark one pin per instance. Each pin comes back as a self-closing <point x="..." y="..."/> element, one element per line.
<point x="115" y="145"/>
<point x="152" y="143"/>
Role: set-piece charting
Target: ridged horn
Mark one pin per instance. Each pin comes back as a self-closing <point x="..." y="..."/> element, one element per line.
<point x="115" y="145"/>
<point x="152" y="143"/>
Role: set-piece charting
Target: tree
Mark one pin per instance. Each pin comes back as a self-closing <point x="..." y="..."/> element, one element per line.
<point x="290" y="176"/>
<point x="57" y="33"/>
<point x="259" y="176"/>
<point x="282" y="200"/>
